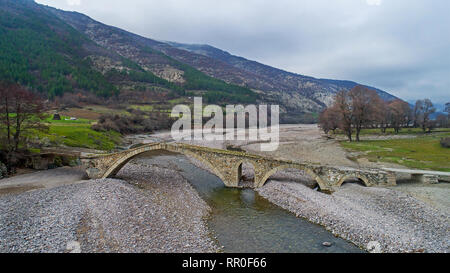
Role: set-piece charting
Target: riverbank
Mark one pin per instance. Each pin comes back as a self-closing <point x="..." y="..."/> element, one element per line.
<point x="397" y="221"/>
<point x="108" y="215"/>
<point x="42" y="180"/>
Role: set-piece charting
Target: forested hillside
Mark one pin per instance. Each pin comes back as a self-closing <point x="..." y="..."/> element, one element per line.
<point x="41" y="51"/>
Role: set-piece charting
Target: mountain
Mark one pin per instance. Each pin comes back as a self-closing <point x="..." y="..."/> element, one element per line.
<point x="56" y="51"/>
<point x="273" y="79"/>
<point x="40" y="50"/>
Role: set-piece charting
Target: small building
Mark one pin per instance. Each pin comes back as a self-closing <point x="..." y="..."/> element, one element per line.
<point x="56" y="117"/>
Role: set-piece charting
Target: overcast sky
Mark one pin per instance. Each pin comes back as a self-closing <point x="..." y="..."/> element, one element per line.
<point x="401" y="46"/>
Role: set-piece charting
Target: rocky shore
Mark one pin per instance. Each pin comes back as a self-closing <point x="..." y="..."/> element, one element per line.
<point x="108" y="215"/>
<point x="392" y="219"/>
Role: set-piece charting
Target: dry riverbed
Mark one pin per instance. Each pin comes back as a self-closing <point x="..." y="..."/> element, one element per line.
<point x="156" y="210"/>
<point x="397" y="221"/>
<point x="151" y="208"/>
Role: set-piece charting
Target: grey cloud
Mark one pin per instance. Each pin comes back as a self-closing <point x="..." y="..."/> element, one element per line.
<point x="400" y="46"/>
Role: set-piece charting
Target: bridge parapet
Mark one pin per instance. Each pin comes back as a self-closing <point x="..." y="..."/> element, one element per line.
<point x="422" y="176"/>
<point x="107" y="165"/>
<point x="336" y="176"/>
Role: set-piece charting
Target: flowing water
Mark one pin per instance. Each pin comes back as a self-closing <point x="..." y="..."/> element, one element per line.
<point x="243" y="221"/>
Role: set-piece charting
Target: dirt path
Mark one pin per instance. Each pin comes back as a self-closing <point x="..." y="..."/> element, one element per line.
<point x="42" y="179"/>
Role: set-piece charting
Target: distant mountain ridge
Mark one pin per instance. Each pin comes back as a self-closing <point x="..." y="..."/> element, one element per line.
<point x="258" y="68"/>
<point x="295" y="93"/>
<point x="106" y="59"/>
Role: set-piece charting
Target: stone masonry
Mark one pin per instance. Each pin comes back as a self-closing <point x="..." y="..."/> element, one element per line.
<point x="227" y="166"/>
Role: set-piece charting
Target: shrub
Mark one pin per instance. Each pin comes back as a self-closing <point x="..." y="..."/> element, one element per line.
<point x="133" y="124"/>
<point x="445" y="142"/>
<point x="3" y="170"/>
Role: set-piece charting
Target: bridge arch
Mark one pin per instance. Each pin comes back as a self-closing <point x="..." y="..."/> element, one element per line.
<point x="238" y="167"/>
<point x="362" y="178"/>
<point x="267" y="175"/>
<point x="122" y="161"/>
<point x="210" y="166"/>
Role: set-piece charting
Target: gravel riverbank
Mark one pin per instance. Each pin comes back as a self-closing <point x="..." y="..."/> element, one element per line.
<point x="397" y="221"/>
<point x="108" y="215"/>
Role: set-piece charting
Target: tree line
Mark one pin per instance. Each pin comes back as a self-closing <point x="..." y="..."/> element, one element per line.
<point x="360" y="108"/>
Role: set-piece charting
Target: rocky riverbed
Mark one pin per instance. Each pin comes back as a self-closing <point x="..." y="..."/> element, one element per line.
<point x="397" y="221"/>
<point x="152" y="208"/>
<point x="155" y="211"/>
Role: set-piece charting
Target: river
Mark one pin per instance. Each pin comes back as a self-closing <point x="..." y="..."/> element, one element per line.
<point x="242" y="221"/>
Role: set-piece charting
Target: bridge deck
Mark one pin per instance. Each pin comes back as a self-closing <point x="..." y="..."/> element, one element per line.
<point x="410" y="171"/>
<point x="195" y="147"/>
<point x="227" y="165"/>
<point x="249" y="155"/>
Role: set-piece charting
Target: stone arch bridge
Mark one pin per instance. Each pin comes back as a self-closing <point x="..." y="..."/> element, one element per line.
<point x="227" y="165"/>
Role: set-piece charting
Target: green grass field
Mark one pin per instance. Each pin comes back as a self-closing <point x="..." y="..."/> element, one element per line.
<point x="147" y="107"/>
<point x="83" y="136"/>
<point x="390" y="131"/>
<point x="66" y="120"/>
<point x="78" y="133"/>
<point x="421" y="152"/>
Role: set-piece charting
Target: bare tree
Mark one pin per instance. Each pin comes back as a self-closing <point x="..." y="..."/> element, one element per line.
<point x="442" y="121"/>
<point x="399" y="114"/>
<point x="353" y="110"/>
<point x="447" y="110"/>
<point x="417" y="113"/>
<point x="422" y="113"/>
<point x="329" y="119"/>
<point x="427" y="110"/>
<point x="364" y="107"/>
<point x="343" y="106"/>
<point x="21" y="114"/>
<point x="324" y="121"/>
<point x="382" y="115"/>
<point x="410" y="116"/>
